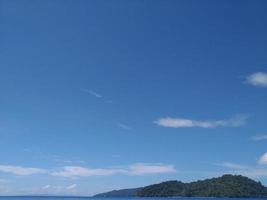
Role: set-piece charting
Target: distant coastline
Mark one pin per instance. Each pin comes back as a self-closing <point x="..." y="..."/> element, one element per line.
<point x="226" y="186"/>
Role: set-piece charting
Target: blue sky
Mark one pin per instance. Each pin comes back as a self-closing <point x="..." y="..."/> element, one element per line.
<point x="101" y="95"/>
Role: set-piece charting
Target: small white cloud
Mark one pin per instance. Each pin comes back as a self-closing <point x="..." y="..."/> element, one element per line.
<point x="236" y="121"/>
<point x="91" y="92"/>
<point x="142" y="169"/>
<point x="23" y="171"/>
<point x="257" y="79"/>
<point x="174" y="122"/>
<point x="259" y="137"/>
<point x="123" y="126"/>
<point x="71" y="187"/>
<point x="263" y="159"/>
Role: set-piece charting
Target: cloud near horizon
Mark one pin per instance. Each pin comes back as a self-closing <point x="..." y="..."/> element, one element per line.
<point x="78" y="171"/>
<point x="257" y="79"/>
<point x="56" y="189"/>
<point x="169" y="122"/>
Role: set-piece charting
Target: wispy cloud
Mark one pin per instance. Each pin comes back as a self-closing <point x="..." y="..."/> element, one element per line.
<point x="263" y="159"/>
<point x="23" y="171"/>
<point x="96" y="95"/>
<point x="257" y="79"/>
<point x="259" y="137"/>
<point x="124" y="126"/>
<point x="236" y="121"/>
<point x="231" y="165"/>
<point x="91" y="92"/>
<point x="71" y="187"/>
<point x="135" y="169"/>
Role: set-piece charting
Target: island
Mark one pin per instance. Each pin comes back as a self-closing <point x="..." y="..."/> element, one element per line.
<point x="225" y="186"/>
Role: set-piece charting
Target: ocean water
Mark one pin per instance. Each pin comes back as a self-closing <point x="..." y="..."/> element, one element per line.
<point x="92" y="198"/>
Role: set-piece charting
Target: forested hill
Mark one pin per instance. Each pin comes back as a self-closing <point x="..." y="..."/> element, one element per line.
<point x="224" y="186"/>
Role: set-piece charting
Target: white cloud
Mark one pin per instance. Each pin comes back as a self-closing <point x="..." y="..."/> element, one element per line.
<point x="141" y="169"/>
<point x="71" y="187"/>
<point x="257" y="79"/>
<point x="259" y="137"/>
<point x="23" y="171"/>
<point x="236" y="121"/>
<point x="77" y="171"/>
<point x="263" y="159"/>
<point x="135" y="169"/>
<point x="174" y="122"/>
<point x="91" y="92"/>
